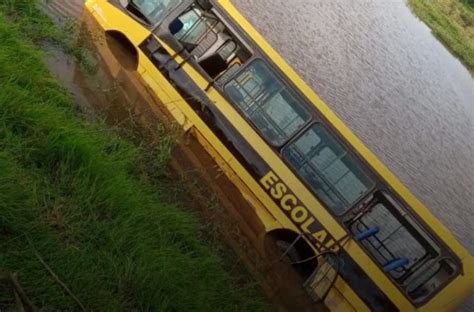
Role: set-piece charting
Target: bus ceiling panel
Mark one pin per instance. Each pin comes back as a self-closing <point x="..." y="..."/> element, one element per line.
<point x="402" y="249"/>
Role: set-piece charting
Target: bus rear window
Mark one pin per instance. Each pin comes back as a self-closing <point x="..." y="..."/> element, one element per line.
<point x="276" y="112"/>
<point x="330" y="171"/>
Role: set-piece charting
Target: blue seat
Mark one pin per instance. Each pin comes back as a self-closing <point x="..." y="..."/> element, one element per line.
<point x="395" y="264"/>
<point x="368" y="233"/>
<point x="176" y="26"/>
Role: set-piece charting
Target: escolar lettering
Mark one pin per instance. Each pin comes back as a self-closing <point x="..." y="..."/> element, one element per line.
<point x="296" y="211"/>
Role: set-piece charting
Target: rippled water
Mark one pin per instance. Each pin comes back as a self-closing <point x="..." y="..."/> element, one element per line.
<point x="380" y="69"/>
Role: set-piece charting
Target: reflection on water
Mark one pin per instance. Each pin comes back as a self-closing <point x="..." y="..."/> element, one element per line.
<point x="394" y="85"/>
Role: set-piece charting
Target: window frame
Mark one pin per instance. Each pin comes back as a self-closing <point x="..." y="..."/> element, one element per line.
<point x="159" y="31"/>
<point x="445" y="252"/>
<point x="439" y="260"/>
<point x="343" y="144"/>
<point x="405" y="221"/>
<point x="300" y="99"/>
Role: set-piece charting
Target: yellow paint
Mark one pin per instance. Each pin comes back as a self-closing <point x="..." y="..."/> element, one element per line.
<point x="271" y="213"/>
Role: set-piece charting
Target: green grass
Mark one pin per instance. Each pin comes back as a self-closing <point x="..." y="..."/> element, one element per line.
<point x="77" y="193"/>
<point x="468" y="3"/>
<point x="452" y="21"/>
<point x="40" y="29"/>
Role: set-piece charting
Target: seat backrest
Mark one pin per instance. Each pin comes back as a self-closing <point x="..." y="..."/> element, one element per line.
<point x="176" y="26"/>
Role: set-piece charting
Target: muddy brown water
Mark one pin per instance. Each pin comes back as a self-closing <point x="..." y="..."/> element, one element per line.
<point x="380" y="69"/>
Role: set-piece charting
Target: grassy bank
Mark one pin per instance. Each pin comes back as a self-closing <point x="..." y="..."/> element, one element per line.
<point x="75" y="195"/>
<point x="452" y="21"/>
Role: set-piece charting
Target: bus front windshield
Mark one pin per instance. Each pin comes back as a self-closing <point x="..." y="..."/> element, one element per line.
<point x="155" y="10"/>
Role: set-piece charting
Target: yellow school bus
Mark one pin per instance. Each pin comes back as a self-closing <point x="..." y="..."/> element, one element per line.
<point x="358" y="238"/>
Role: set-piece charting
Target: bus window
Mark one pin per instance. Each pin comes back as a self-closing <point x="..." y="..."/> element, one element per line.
<point x="154" y="10"/>
<point x="393" y="241"/>
<point x="195" y="30"/>
<point x="329" y="170"/>
<point x="209" y="41"/>
<point x="402" y="247"/>
<point x="276" y="112"/>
